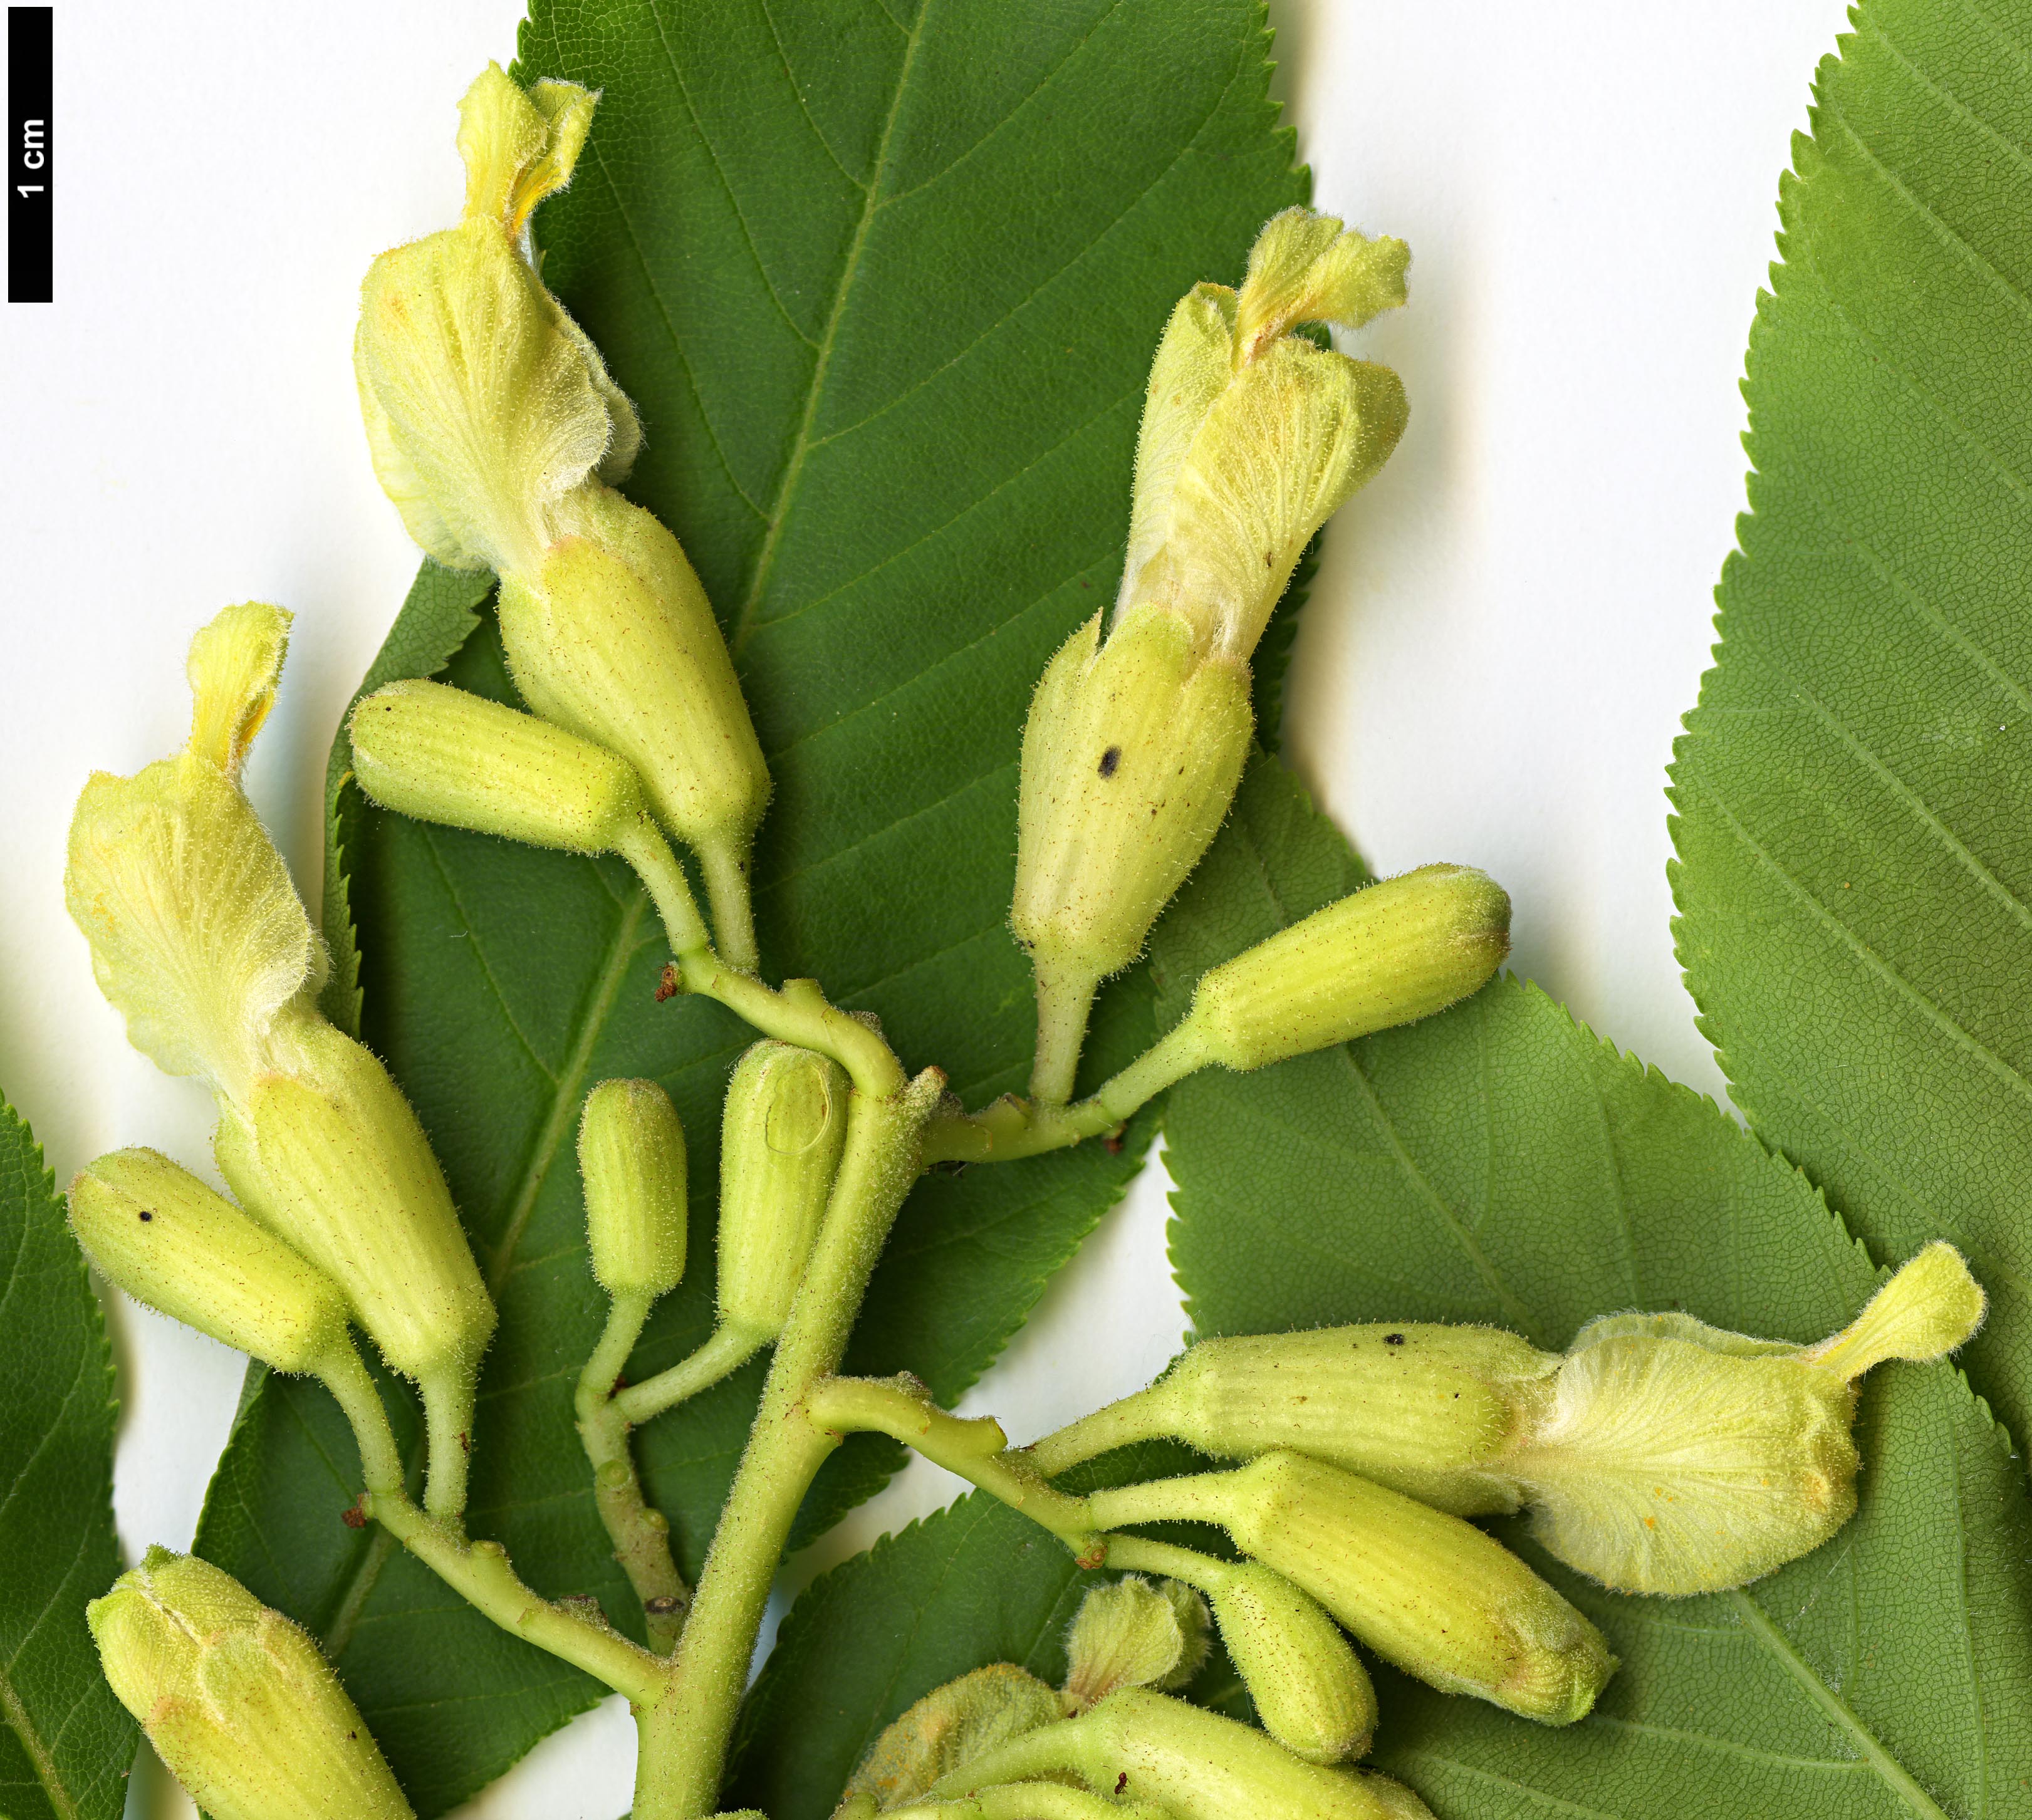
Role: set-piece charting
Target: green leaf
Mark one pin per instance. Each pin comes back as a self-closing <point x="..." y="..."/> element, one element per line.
<point x="886" y="296"/>
<point x="1855" y="868"/>
<point x="974" y="1584"/>
<point x="1499" y="1164"/>
<point x="65" y="1743"/>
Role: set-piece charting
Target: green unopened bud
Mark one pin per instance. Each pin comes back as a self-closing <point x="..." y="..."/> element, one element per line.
<point x="1311" y="1692"/>
<point x="1134" y="1635"/>
<point x="631" y="1155"/>
<point x="948" y="1729"/>
<point x="1423" y="1589"/>
<point x="1395" y="952"/>
<point x="239" y="1703"/>
<point x="1144" y="1747"/>
<point x="780" y="1142"/>
<point x="157" y="1232"/>
<point x="330" y="1158"/>
<point x="1130" y="758"/>
<point x="1417" y="1406"/>
<point x="1675" y="1458"/>
<point x="442" y="754"/>
<point x="610" y="634"/>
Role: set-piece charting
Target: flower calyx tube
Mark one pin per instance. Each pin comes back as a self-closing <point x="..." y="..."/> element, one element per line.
<point x="152" y="1229"/>
<point x="1252" y="438"/>
<point x="496" y="430"/>
<point x="1425" y="1589"/>
<point x="198" y="939"/>
<point x="239" y="1700"/>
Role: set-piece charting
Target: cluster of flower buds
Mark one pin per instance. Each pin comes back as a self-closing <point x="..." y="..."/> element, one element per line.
<point x="198" y="939"/>
<point x="1658" y="1454"/>
<point x="1252" y="436"/>
<point x="497" y="431"/>
<point x="238" y="1701"/>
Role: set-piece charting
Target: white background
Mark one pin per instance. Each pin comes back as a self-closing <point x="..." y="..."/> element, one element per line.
<point x="1508" y="626"/>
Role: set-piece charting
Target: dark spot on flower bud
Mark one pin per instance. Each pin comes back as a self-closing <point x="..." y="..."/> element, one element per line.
<point x="146" y="1214"/>
<point x="1109" y="760"/>
<point x="1393" y="1339"/>
<point x="1121" y="1781"/>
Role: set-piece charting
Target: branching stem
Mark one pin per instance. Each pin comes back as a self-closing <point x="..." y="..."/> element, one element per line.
<point x="641" y="1536"/>
<point x="727" y="1350"/>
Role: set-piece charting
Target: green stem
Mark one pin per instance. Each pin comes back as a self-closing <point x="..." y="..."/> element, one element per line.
<point x="348" y="1380"/>
<point x="1064" y="1001"/>
<point x="724" y="867"/>
<point x="799" y="1013"/>
<point x="728" y="1350"/>
<point x="1139" y="1554"/>
<point x="641" y="1536"/>
<point x="1145" y="1416"/>
<point x="1200" y="1499"/>
<point x="1012" y="1128"/>
<point x="478" y="1571"/>
<point x="977" y="1450"/>
<point x="684" y="1737"/>
<point x="645" y="848"/>
<point x="448" y="1400"/>
<point x="1052" y="1749"/>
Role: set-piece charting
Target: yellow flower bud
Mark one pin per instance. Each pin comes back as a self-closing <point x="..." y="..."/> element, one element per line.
<point x="1675" y="1458"/>
<point x="442" y="755"/>
<point x="949" y="1728"/>
<point x="1132" y="1633"/>
<point x="1143" y="1747"/>
<point x="1251" y="438"/>
<point x="239" y="1703"/>
<point x="493" y="423"/>
<point x="1311" y="1692"/>
<point x="631" y="1155"/>
<point x="610" y="634"/>
<point x="1131" y="755"/>
<point x="1423" y="1589"/>
<point x="1390" y="954"/>
<point x="328" y="1155"/>
<point x="780" y="1142"/>
<point x="157" y="1232"/>
<point x="1419" y="1406"/>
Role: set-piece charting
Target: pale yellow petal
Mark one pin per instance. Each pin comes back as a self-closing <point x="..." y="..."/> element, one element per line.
<point x="234" y="665"/>
<point x="1305" y="268"/>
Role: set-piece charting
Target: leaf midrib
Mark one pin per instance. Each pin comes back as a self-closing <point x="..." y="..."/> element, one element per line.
<point x="40" y="1759"/>
<point x="779" y="508"/>
<point x="1894" y="1775"/>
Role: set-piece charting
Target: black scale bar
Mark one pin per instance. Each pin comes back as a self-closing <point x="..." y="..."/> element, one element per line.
<point x="29" y="45"/>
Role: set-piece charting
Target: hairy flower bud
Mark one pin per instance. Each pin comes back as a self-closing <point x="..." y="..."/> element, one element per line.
<point x="494" y="427"/>
<point x="1389" y="954"/>
<point x="442" y="754"/>
<point x="198" y="937"/>
<point x="1252" y="437"/>
<point x="1147" y="1748"/>
<point x="1311" y="1692"/>
<point x="780" y="1142"/>
<point x="327" y="1155"/>
<point x="631" y="1155"/>
<point x="1673" y="1457"/>
<point x="948" y="1729"/>
<point x="1416" y="1406"/>
<point x="1423" y="1589"/>
<point x="609" y="633"/>
<point x="239" y="1703"/>
<point x="157" y="1232"/>
<point x="1132" y="1633"/>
